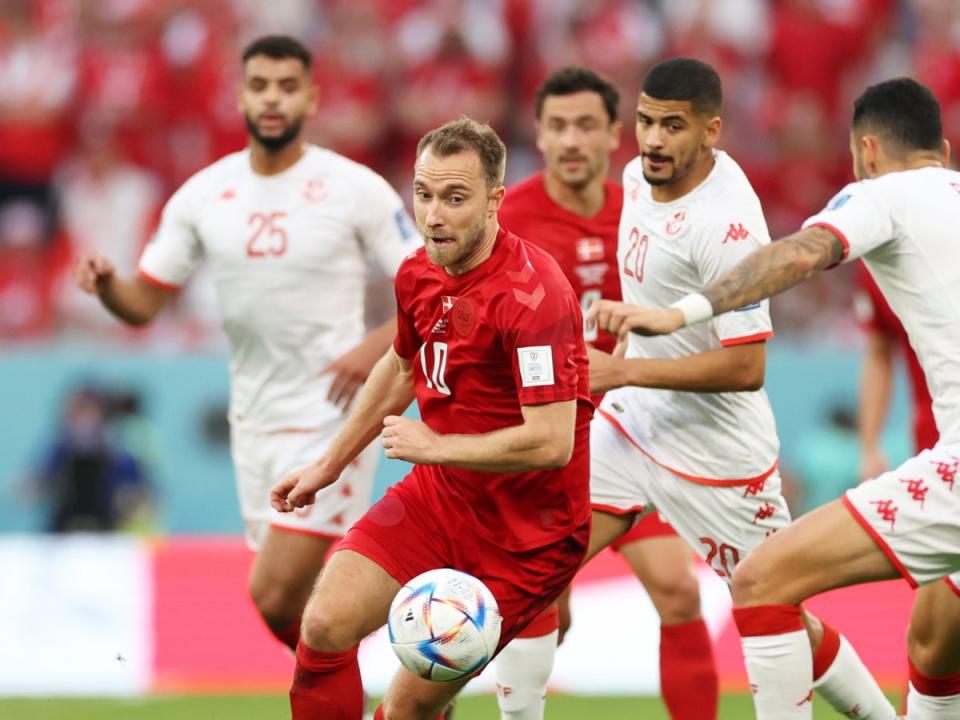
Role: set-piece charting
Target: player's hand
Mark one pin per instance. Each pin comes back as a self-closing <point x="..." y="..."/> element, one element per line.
<point x="620" y="319"/>
<point x="606" y="371"/>
<point x="299" y="488"/>
<point x="350" y="370"/>
<point x="873" y="463"/>
<point x="91" y="271"/>
<point x="410" y="440"/>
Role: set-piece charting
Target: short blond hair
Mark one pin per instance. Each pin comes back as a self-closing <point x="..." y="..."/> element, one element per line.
<point x="464" y="134"/>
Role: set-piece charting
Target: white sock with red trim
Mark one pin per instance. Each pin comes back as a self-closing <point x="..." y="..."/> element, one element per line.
<point x="933" y="698"/>
<point x="523" y="669"/>
<point x="779" y="661"/>
<point x="841" y="678"/>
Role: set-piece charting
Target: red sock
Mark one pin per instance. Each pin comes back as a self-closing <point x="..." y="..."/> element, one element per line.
<point x="378" y="715"/>
<point x="326" y="686"/>
<point x="290" y="635"/>
<point x="942" y="686"/>
<point x="688" y="672"/>
<point x="827" y="652"/>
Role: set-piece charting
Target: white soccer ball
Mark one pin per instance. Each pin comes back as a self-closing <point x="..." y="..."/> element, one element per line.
<point x="444" y="625"/>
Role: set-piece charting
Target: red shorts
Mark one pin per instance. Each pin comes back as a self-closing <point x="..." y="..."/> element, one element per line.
<point x="650" y="525"/>
<point x="406" y="537"/>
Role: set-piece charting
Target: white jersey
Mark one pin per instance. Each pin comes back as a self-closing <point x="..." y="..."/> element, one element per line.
<point x="905" y="225"/>
<point x="665" y="251"/>
<point x="289" y="255"/>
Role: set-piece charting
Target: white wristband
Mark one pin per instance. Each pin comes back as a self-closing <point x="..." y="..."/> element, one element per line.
<point x="695" y="308"/>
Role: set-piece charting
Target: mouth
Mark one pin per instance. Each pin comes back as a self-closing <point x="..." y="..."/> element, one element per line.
<point x="441" y="241"/>
<point x="656" y="162"/>
<point x="271" y="120"/>
<point x="573" y="160"/>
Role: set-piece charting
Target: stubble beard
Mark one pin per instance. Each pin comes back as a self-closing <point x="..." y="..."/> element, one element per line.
<point x="274" y="143"/>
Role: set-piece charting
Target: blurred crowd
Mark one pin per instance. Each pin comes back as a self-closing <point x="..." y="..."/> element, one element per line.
<point x="108" y="105"/>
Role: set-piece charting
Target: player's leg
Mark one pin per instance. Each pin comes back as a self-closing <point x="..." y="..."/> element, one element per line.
<point x="933" y="647"/>
<point x="523" y="667"/>
<point x="350" y="601"/>
<point x="823" y="550"/>
<point x="283" y="575"/>
<point x="663" y="563"/>
<point x="292" y="550"/>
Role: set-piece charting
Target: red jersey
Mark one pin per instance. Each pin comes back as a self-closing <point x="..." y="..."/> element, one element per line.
<point x="586" y="248"/>
<point x="881" y="319"/>
<point x="505" y="334"/>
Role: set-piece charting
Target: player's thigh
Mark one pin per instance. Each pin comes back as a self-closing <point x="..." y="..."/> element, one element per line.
<point x="413" y="698"/>
<point x="721" y="523"/>
<point x="823" y="550"/>
<point x="933" y="640"/>
<point x="605" y="527"/>
<point x="284" y="571"/>
<point x="350" y="600"/>
<point x="664" y="565"/>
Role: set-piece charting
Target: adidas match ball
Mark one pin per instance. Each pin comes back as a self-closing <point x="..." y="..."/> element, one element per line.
<point x="444" y="625"/>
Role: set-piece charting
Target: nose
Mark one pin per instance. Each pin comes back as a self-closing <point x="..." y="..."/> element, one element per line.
<point x="570" y="137"/>
<point x="650" y="136"/>
<point x="434" y="215"/>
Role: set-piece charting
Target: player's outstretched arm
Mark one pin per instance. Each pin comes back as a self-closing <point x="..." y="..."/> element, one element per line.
<point x="544" y="440"/>
<point x="389" y="390"/>
<point x="770" y="270"/>
<point x="738" y="368"/>
<point x="133" y="300"/>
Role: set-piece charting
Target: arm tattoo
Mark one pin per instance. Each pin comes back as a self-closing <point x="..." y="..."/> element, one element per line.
<point x="775" y="268"/>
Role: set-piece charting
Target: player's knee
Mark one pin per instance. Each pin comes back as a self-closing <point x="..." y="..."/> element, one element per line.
<point x="327" y="631"/>
<point x="676" y="596"/>
<point x="928" y="652"/>
<point x="746" y="585"/>
<point x="275" y="605"/>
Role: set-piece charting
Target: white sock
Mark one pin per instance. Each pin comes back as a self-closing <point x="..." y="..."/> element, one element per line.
<point x="850" y="688"/>
<point x="523" y="668"/>
<point x="780" y="668"/>
<point x="931" y="707"/>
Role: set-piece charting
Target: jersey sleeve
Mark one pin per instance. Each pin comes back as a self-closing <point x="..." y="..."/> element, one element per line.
<point x="408" y="341"/>
<point x="860" y="216"/>
<point x="542" y="331"/>
<point x="387" y="233"/>
<point x="718" y="248"/>
<point x="175" y="249"/>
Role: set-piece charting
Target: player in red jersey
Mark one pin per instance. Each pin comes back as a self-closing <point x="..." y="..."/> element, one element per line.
<point x="572" y="210"/>
<point x="490" y="343"/>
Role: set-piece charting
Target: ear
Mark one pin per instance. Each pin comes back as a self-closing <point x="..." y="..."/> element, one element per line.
<point x="314" y="98"/>
<point x="871" y="154"/>
<point x="946" y="153"/>
<point x="495" y="200"/>
<point x="714" y="126"/>
<point x="616" y="133"/>
<point x="538" y="130"/>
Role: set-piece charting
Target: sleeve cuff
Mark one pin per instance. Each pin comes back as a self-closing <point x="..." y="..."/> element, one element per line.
<point x="157" y="282"/>
<point x="839" y="234"/>
<point x="745" y="339"/>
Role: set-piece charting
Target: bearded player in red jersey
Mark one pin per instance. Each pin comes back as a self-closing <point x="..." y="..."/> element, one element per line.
<point x="572" y="210"/>
<point x="490" y="342"/>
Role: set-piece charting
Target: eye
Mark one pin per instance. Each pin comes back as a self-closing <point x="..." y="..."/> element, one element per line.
<point x="456" y="199"/>
<point x="422" y="195"/>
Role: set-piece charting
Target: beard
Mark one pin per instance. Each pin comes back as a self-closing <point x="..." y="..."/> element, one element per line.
<point x="447" y="256"/>
<point x="274" y="143"/>
<point x="677" y="174"/>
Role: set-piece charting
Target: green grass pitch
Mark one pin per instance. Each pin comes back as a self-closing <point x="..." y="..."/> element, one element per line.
<point x="268" y="707"/>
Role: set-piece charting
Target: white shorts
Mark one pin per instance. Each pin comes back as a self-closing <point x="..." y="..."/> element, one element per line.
<point x="913" y="513"/>
<point x="261" y="459"/>
<point x="721" y="522"/>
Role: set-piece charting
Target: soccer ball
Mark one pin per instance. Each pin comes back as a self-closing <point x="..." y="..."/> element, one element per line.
<point x="444" y="625"/>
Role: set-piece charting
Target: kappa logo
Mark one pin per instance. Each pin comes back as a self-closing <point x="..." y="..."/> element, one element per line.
<point x="886" y="510"/>
<point x="853" y="712"/>
<point x="228" y="194"/>
<point x="947" y="471"/>
<point x="917" y="490"/>
<point x="754" y="488"/>
<point x="736" y="232"/>
<point x="765" y="511"/>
